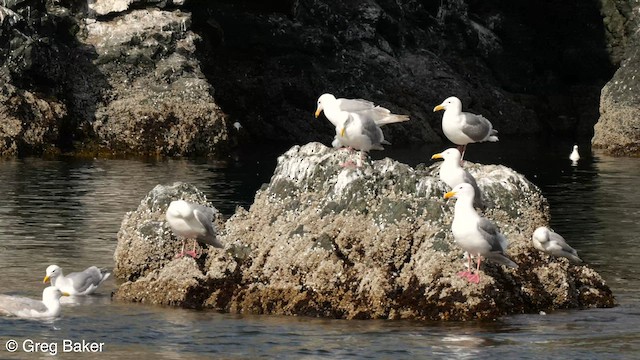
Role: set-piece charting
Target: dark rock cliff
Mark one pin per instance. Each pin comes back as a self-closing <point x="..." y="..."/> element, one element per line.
<point x="176" y="73"/>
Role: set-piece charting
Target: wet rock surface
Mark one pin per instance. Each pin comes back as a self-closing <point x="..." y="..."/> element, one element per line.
<point x="618" y="129"/>
<point x="370" y="242"/>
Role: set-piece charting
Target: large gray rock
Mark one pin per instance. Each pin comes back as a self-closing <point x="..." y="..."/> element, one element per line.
<point x="371" y="242"/>
<point x="618" y="129"/>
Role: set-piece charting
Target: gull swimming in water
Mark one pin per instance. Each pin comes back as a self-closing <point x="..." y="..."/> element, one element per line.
<point x="333" y="110"/>
<point x="452" y="174"/>
<point x="464" y="128"/>
<point x="77" y="283"/>
<point x="192" y="221"/>
<point x="475" y="234"/>
<point x="24" y="307"/>
<point x="552" y="243"/>
<point x="575" y="156"/>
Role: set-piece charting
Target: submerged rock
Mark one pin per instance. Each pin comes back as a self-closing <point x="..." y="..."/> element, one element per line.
<point x="371" y="242"/>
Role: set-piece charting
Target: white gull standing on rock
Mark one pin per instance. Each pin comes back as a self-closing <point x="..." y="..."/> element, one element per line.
<point x="192" y="221"/>
<point x="475" y="234"/>
<point x="452" y="174"/>
<point x="333" y="109"/>
<point x="552" y="243"/>
<point x="77" y="283"/>
<point x="464" y="128"/>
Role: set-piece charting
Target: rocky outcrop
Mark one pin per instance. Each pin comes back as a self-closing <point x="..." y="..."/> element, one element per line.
<point x="370" y="242"/>
<point x="128" y="82"/>
<point x="160" y="103"/>
<point x="618" y="129"/>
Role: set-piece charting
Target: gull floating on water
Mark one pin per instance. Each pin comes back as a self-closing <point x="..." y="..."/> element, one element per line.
<point x="552" y="243"/>
<point x="77" y="283"/>
<point x="475" y="234"/>
<point x="192" y="221"/>
<point x="452" y="174"/>
<point x="464" y="128"/>
<point x="29" y="308"/>
<point x="334" y="110"/>
<point x="574" y="157"/>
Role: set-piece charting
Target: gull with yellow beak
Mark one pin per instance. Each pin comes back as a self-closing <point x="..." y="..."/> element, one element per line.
<point x="24" y="307"/>
<point x="475" y="234"/>
<point x="335" y="109"/>
<point x="452" y="174"/>
<point x="77" y="283"/>
<point x="464" y="128"/>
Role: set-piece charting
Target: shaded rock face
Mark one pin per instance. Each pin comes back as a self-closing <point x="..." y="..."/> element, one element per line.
<point x="371" y="242"/>
<point x="128" y="82"/>
<point x="618" y="129"/>
<point x="157" y="100"/>
<point x="530" y="66"/>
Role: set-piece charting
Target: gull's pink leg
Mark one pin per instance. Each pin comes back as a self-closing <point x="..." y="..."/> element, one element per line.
<point x="465" y="274"/>
<point x="181" y="253"/>
<point x="192" y="252"/>
<point x="475" y="278"/>
<point x="462" y="150"/>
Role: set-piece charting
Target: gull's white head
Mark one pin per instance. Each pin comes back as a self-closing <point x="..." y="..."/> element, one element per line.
<point x="451" y="154"/>
<point x="52" y="272"/>
<point x="52" y="294"/>
<point x="463" y="190"/>
<point x="541" y="234"/>
<point x="450" y="103"/>
<point x="323" y="101"/>
<point x="575" y="147"/>
<point x="539" y="237"/>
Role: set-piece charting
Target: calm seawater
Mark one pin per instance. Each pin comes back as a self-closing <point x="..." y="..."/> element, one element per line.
<point x="68" y="212"/>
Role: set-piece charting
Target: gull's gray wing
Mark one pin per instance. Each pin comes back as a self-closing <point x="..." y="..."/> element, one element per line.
<point x="475" y="126"/>
<point x="373" y="132"/>
<point x="354" y="105"/>
<point x="559" y="247"/>
<point x="84" y="279"/>
<point x="477" y="198"/>
<point x="13" y="304"/>
<point x="380" y="115"/>
<point x="497" y="242"/>
<point x="205" y="215"/>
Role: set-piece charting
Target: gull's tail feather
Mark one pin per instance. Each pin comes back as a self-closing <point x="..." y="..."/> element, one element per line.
<point x="392" y="118"/>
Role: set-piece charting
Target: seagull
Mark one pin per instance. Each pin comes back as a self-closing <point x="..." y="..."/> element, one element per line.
<point x="452" y="174"/>
<point x="333" y="109"/>
<point x="192" y="221"/>
<point x="360" y="132"/>
<point x="24" y="307"/>
<point x="475" y="234"/>
<point x="574" y="154"/>
<point x="77" y="283"/>
<point x="464" y="128"/>
<point x="552" y="243"/>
